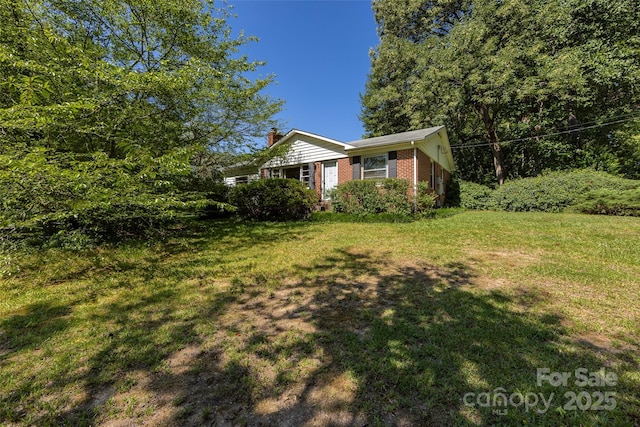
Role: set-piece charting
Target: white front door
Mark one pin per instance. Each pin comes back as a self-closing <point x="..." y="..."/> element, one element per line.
<point x="329" y="178"/>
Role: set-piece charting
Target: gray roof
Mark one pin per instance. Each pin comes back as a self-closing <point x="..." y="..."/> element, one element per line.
<point x="412" y="135"/>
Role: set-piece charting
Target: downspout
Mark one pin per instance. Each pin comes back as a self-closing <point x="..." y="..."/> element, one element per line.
<point x="415" y="177"/>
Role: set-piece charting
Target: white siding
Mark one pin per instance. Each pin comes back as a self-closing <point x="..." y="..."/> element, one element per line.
<point x="231" y="180"/>
<point x="307" y="149"/>
<point x="442" y="156"/>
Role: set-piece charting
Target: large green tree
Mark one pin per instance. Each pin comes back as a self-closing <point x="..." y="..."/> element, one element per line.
<point x="504" y="71"/>
<point x="104" y="105"/>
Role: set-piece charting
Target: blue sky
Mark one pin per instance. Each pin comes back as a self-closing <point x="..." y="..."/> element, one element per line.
<point x="319" y="53"/>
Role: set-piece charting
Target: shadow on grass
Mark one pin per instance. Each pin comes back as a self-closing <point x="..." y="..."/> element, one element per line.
<point x="351" y="340"/>
<point x="369" y="343"/>
<point x="31" y="326"/>
<point x="124" y="305"/>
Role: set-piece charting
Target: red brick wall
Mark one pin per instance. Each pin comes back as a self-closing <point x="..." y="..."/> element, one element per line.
<point x="344" y="171"/>
<point x="405" y="165"/>
<point x="424" y="167"/>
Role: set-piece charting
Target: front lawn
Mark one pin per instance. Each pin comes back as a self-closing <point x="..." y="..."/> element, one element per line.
<point x="332" y="323"/>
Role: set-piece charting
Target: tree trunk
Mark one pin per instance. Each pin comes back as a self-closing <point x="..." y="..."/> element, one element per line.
<point x="498" y="162"/>
<point x="492" y="138"/>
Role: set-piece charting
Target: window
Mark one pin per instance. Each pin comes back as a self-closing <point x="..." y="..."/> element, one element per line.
<point x="374" y="167"/>
<point x="301" y="173"/>
<point x="242" y="179"/>
<point x="304" y="174"/>
<point x="292" y="173"/>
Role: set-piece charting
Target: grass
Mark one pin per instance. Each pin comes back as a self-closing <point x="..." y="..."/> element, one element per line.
<point x="327" y="323"/>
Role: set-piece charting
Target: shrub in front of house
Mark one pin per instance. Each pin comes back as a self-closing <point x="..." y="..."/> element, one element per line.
<point x="358" y="197"/>
<point x="366" y="197"/>
<point x="273" y="200"/>
<point x="425" y="201"/>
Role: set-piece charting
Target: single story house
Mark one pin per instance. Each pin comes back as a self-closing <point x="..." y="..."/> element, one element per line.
<point x="323" y="163"/>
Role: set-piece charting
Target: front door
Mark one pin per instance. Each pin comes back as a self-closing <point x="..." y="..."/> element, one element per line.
<point x="329" y="178"/>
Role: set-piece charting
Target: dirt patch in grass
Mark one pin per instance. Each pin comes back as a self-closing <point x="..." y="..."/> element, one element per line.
<point x="606" y="344"/>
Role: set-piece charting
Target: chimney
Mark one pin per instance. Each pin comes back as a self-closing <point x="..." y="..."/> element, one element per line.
<point x="274" y="136"/>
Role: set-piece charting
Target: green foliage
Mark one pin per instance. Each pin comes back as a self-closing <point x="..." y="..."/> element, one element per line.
<point x="389" y="196"/>
<point x="357" y="197"/>
<point x="509" y="70"/>
<point x="554" y="191"/>
<point x="111" y="112"/>
<point x="112" y="75"/>
<point x="625" y="143"/>
<point x="365" y="197"/>
<point x="610" y="202"/>
<point x="58" y="199"/>
<point x="426" y="199"/>
<point x="474" y="196"/>
<point x="273" y="200"/>
<point x="549" y="192"/>
<point x="220" y="206"/>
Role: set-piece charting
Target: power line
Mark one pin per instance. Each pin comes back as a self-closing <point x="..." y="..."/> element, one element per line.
<point x="482" y="144"/>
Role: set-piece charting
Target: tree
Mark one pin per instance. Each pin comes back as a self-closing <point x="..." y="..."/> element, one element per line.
<point x="511" y="70"/>
<point x="105" y="104"/>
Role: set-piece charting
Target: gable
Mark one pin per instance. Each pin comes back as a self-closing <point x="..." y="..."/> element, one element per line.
<point x="306" y="148"/>
<point x="437" y="147"/>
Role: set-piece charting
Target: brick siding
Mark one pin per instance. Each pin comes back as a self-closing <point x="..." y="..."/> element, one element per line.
<point x="405" y="165"/>
<point x="424" y="167"/>
<point x="344" y="171"/>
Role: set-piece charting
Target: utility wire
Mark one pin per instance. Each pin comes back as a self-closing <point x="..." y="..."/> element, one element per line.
<point x="482" y="144"/>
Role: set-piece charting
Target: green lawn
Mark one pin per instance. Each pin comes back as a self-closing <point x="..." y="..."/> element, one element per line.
<point x="323" y="323"/>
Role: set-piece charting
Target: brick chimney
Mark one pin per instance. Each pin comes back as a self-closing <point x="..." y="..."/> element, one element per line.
<point x="274" y="136"/>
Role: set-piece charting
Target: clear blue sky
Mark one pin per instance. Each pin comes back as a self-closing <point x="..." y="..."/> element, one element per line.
<point x="319" y="53"/>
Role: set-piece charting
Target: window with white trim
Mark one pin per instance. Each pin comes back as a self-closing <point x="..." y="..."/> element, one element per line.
<point x="304" y="174"/>
<point x="374" y="167"/>
<point x="301" y="172"/>
<point x="244" y="179"/>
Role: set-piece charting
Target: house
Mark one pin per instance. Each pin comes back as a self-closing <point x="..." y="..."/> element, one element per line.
<point x="323" y="163"/>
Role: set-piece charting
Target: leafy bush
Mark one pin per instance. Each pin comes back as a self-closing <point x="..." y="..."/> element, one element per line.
<point x="425" y="201"/>
<point x="475" y="196"/>
<point x="554" y="191"/>
<point x="357" y="197"/>
<point x="549" y="192"/>
<point x="610" y="202"/>
<point x="393" y="196"/>
<point x="82" y="200"/>
<point x="220" y="207"/>
<point x="273" y="200"/>
<point x="365" y="197"/>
